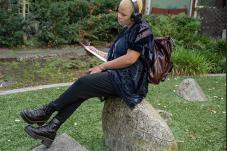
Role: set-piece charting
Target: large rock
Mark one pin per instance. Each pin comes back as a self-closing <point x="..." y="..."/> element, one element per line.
<point x="62" y="143"/>
<point x="140" y="129"/>
<point x="166" y="116"/>
<point x="190" y="90"/>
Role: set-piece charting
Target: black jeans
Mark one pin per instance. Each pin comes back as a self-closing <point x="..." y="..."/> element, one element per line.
<point x="88" y="86"/>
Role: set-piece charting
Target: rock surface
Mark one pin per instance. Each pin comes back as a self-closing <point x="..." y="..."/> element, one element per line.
<point x="166" y="116"/>
<point x="140" y="129"/>
<point x="62" y="143"/>
<point x="190" y="90"/>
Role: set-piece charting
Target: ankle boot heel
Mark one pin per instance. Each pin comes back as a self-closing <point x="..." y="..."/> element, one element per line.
<point x="47" y="142"/>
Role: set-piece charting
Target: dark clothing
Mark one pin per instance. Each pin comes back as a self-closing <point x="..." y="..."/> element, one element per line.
<point x="131" y="83"/>
<point x="92" y="85"/>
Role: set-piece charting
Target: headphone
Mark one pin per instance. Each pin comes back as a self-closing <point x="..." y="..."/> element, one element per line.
<point x="136" y="16"/>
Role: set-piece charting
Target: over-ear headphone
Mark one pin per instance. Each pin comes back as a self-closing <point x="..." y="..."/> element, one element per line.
<point x="136" y="15"/>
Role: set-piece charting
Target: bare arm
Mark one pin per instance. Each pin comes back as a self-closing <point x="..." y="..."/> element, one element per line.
<point x="121" y="62"/>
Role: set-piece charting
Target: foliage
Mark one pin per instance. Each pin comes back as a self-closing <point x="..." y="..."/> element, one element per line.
<point x="188" y="62"/>
<point x="197" y="126"/>
<point x="59" y="21"/>
<point x="44" y="71"/>
<point x="179" y="27"/>
<point x="103" y="6"/>
<point x="185" y="31"/>
<point x="103" y="27"/>
<point x="54" y="23"/>
<point x="11" y="30"/>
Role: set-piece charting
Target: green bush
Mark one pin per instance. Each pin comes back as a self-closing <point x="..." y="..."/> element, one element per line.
<point x="184" y="30"/>
<point x="63" y="22"/>
<point x="188" y="62"/>
<point x="78" y="10"/>
<point x="11" y="31"/>
<point x="103" y="6"/>
<point x="214" y="51"/>
<point x="55" y="30"/>
<point x="60" y="22"/>
<point x="180" y="27"/>
<point x="103" y="27"/>
<point x="56" y="21"/>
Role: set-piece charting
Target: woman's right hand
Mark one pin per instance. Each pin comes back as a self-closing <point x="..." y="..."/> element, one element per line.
<point x="95" y="69"/>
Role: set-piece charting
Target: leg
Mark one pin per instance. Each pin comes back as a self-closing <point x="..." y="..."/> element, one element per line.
<point x="95" y="85"/>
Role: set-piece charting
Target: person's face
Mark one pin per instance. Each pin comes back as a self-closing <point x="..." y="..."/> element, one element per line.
<point x="124" y="16"/>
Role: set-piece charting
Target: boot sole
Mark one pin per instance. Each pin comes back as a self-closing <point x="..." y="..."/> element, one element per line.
<point x="44" y="140"/>
<point x="27" y="120"/>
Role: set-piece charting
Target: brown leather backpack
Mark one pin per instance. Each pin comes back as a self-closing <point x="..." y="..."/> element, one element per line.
<point x="161" y="64"/>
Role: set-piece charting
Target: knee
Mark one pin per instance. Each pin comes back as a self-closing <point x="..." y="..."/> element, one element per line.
<point x="81" y="81"/>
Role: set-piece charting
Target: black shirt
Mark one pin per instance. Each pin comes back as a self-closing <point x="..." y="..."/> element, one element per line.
<point x="131" y="83"/>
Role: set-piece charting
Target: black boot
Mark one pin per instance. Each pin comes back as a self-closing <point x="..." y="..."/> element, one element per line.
<point x="39" y="116"/>
<point x="46" y="133"/>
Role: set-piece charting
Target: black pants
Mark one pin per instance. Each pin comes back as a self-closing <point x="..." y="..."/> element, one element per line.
<point x="88" y="86"/>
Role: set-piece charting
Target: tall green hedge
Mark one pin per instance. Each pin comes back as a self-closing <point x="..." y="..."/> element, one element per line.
<point x="11" y="28"/>
<point x="53" y="23"/>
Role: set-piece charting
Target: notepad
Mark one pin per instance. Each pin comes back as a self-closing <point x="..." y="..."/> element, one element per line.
<point x="93" y="51"/>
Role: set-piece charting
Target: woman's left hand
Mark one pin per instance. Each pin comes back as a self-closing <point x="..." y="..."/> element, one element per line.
<point x="95" y="69"/>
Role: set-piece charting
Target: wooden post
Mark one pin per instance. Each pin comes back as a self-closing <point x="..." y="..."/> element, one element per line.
<point x="18" y="3"/>
<point x="194" y="11"/>
<point x="24" y="8"/>
<point x="10" y="5"/>
<point x="28" y="3"/>
<point x="147" y="7"/>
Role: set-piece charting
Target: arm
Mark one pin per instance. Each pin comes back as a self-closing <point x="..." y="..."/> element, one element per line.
<point x="123" y="61"/>
<point x="118" y="63"/>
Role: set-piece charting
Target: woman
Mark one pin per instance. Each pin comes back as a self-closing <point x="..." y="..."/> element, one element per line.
<point x="123" y="75"/>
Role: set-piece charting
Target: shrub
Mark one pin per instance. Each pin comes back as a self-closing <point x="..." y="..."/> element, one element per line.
<point x="102" y="27"/>
<point x="103" y="6"/>
<point x="55" y="24"/>
<point x="184" y="30"/>
<point x="11" y="31"/>
<point x="61" y="21"/>
<point x="187" y="62"/>
<point x="180" y="27"/>
<point x="216" y="55"/>
<point x="78" y="10"/>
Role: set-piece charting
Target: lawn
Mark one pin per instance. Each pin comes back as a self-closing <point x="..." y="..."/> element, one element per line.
<point x="43" y="71"/>
<point x="197" y="126"/>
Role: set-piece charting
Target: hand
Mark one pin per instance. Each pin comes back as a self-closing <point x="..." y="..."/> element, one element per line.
<point x="95" y="69"/>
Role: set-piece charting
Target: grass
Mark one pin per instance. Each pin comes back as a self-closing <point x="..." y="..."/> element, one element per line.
<point x="197" y="126"/>
<point x="44" y="71"/>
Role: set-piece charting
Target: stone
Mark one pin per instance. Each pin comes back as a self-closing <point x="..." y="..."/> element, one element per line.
<point x="138" y="129"/>
<point x="1" y="75"/>
<point x="224" y="34"/>
<point x="190" y="90"/>
<point x="166" y="116"/>
<point x="62" y="143"/>
<point x="6" y="83"/>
